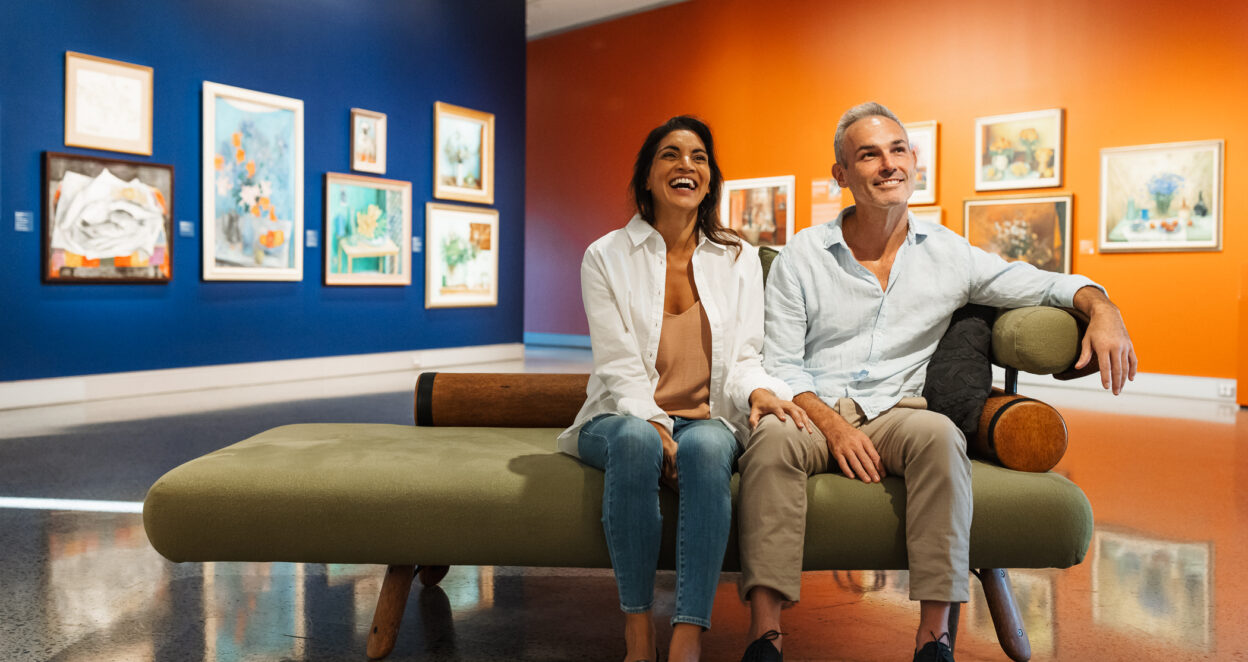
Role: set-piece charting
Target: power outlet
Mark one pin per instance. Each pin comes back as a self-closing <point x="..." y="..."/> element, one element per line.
<point x="1226" y="390"/>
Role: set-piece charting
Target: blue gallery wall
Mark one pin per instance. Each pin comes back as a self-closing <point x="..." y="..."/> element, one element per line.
<point x="393" y="56"/>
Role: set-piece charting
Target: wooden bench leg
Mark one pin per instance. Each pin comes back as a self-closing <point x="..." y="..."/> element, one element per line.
<point x="1004" y="610"/>
<point x="390" y="606"/>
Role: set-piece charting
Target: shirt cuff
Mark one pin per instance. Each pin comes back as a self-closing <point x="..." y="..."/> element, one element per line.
<point x="1063" y="294"/>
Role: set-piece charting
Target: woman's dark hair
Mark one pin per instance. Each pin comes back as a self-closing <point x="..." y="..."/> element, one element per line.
<point x="708" y="210"/>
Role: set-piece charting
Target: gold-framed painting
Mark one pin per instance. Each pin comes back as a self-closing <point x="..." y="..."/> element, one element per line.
<point x="1165" y="197"/>
<point x="1031" y="229"/>
<point x="108" y="104"/>
<point x="1019" y="150"/>
<point x="461" y="256"/>
<point x="368" y="141"/>
<point x="761" y="210"/>
<point x="924" y="141"/>
<point x="368" y="230"/>
<point x="463" y="154"/>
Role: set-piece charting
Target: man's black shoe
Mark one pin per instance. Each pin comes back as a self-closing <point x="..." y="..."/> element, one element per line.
<point x="762" y="650"/>
<point x="935" y="651"/>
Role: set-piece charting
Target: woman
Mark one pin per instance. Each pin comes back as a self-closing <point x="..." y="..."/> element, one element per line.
<point x="675" y="308"/>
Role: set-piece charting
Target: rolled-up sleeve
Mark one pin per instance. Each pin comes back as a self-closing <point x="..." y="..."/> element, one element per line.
<point x="617" y="356"/>
<point x="747" y="373"/>
<point x="784" y="344"/>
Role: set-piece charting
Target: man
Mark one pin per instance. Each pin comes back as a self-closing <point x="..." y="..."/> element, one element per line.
<point x="854" y="311"/>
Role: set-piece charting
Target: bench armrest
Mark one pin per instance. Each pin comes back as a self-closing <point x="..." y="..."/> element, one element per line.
<point x="1042" y="340"/>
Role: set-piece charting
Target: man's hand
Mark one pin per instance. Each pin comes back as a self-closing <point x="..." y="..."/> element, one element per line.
<point x="852" y="449"/>
<point x="763" y="402"/>
<point x="668" y="475"/>
<point x="1107" y="338"/>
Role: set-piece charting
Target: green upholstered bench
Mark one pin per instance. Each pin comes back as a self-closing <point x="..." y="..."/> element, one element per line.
<point x="478" y="482"/>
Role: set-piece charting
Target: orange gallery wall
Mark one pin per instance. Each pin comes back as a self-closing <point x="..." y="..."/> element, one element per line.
<point x="772" y="78"/>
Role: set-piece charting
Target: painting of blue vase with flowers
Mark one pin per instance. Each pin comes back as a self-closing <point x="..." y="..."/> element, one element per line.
<point x="1162" y="197"/>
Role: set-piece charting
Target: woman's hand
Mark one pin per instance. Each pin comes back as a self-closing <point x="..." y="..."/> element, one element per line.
<point x="763" y="402"/>
<point x="668" y="475"/>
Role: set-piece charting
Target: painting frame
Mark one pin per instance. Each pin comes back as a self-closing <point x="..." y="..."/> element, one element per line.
<point x="733" y="208"/>
<point x="450" y="180"/>
<point x="108" y="104"/>
<point x="925" y="139"/>
<point x="439" y="219"/>
<point x="934" y="214"/>
<point x="368" y="141"/>
<point x="1124" y="168"/>
<point x="83" y="267"/>
<point x="1040" y="249"/>
<point x="241" y="238"/>
<point x="997" y="163"/>
<point x="397" y="245"/>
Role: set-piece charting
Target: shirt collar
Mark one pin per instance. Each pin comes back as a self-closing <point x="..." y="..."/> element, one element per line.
<point x="639" y="232"/>
<point x="835" y="233"/>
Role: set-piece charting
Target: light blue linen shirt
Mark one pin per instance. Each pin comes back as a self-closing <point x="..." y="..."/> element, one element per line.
<point x="831" y="330"/>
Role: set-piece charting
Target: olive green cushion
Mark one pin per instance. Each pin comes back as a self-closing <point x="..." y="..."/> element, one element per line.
<point x="1037" y="339"/>
<point x="392" y="494"/>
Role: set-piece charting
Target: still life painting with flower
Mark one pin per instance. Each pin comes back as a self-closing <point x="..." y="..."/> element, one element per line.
<point x="1162" y="197"/>
<point x="1031" y="230"/>
<point x="462" y="263"/>
<point x="253" y="212"/>
<point x="1022" y="150"/>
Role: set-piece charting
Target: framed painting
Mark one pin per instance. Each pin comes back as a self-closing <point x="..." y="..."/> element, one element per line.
<point x="933" y="215"/>
<point x="761" y="210"/>
<point x="924" y="140"/>
<point x="463" y="154"/>
<point x="1164" y="197"/>
<point x="368" y="141"/>
<point x="1035" y="230"/>
<point x="106" y="220"/>
<point x="368" y="230"/>
<point x="1022" y="150"/>
<point x="108" y="104"/>
<point x="461" y="246"/>
<point x="826" y="200"/>
<point x="252" y="185"/>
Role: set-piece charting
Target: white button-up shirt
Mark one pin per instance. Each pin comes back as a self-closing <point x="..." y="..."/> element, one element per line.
<point x="832" y="331"/>
<point x="623" y="278"/>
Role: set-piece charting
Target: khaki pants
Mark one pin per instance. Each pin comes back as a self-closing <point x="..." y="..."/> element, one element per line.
<point x="924" y="447"/>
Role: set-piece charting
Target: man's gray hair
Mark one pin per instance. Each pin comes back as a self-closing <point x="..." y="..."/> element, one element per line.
<point x="859" y="112"/>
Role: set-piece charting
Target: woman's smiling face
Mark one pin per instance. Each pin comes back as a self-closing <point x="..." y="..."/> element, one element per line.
<point x="680" y="173"/>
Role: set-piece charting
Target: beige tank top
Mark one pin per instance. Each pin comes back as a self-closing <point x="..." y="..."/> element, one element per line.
<point x="684" y="364"/>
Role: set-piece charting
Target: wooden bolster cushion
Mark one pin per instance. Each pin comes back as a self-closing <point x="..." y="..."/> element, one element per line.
<point x="1020" y="433"/>
<point x="476" y="399"/>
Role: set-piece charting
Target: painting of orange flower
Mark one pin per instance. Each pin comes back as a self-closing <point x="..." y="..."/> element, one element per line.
<point x="1017" y="151"/>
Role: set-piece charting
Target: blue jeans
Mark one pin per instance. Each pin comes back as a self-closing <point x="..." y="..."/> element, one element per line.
<point x="630" y="451"/>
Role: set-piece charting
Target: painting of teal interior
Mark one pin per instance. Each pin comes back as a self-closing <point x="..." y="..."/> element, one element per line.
<point x="367" y="231"/>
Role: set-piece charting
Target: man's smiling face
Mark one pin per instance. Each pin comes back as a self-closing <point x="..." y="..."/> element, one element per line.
<point x="881" y="164"/>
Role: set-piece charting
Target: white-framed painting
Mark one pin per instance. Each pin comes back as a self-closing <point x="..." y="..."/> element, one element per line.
<point x="463" y="154"/>
<point x="761" y="210"/>
<point x="1165" y="197"/>
<point x="934" y="215"/>
<point x="108" y="104"/>
<point x="1020" y="150"/>
<point x="924" y="140"/>
<point x="461" y="263"/>
<point x="252" y="185"/>
<point x="368" y="230"/>
<point x="368" y="141"/>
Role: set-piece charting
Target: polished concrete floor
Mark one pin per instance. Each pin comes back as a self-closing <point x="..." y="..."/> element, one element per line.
<point x="1164" y="578"/>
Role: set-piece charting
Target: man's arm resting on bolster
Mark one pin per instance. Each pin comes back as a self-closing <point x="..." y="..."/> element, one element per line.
<point x="851" y="449"/>
<point x="1106" y="337"/>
